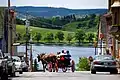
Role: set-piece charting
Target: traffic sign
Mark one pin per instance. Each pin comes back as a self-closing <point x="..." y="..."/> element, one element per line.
<point x="101" y="35"/>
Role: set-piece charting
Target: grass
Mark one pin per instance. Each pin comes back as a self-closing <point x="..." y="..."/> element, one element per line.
<point x="43" y="31"/>
<point x="73" y="27"/>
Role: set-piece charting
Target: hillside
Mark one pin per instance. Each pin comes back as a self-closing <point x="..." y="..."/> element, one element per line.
<point x="43" y="31"/>
<point x="51" y="11"/>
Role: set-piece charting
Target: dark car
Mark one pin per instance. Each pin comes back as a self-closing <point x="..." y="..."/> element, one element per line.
<point x="3" y="67"/>
<point x="104" y="63"/>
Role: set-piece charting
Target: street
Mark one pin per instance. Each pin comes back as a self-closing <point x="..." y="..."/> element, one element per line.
<point x="85" y="75"/>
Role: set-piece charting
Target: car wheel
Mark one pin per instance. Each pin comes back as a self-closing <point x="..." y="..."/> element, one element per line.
<point x="64" y="69"/>
<point x="93" y="72"/>
<point x="4" y="76"/>
<point x="114" y="71"/>
<point x="13" y="74"/>
<point x="20" y="72"/>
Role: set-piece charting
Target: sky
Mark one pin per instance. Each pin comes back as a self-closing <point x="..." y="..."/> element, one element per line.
<point x="71" y="4"/>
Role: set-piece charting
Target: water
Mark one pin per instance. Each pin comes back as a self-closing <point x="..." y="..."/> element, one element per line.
<point x="76" y="52"/>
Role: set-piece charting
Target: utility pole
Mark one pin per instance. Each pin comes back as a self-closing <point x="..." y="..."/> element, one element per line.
<point x="9" y="29"/>
<point x="31" y="60"/>
<point x="101" y="37"/>
<point x="95" y="45"/>
<point x="27" y="34"/>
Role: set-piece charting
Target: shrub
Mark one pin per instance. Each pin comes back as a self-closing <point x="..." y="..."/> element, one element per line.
<point x="83" y="64"/>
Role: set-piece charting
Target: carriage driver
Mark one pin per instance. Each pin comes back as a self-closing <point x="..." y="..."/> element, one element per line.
<point x="66" y="52"/>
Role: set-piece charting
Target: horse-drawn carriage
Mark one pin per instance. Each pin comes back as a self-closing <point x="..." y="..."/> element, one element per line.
<point x="65" y="62"/>
<point x="53" y="62"/>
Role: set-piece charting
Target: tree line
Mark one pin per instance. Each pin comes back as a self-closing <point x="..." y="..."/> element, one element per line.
<point x="59" y="36"/>
<point x="59" y="22"/>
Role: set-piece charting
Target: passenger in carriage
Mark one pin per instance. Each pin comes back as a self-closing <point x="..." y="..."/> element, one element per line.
<point x="68" y="53"/>
<point x="63" y="51"/>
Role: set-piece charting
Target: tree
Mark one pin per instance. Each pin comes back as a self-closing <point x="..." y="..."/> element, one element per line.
<point x="19" y="21"/>
<point x="19" y="36"/>
<point x="80" y="35"/>
<point x="69" y="37"/>
<point x="60" y="36"/>
<point x="26" y="37"/>
<point x="38" y="36"/>
<point x="83" y="64"/>
<point x="90" y="37"/>
<point x="92" y="16"/>
<point x="49" y="37"/>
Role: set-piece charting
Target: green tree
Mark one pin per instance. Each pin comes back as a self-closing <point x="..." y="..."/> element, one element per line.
<point x="19" y="21"/>
<point x="49" y="37"/>
<point x="90" y="37"/>
<point x="60" y="36"/>
<point x="19" y="36"/>
<point x="26" y="36"/>
<point x="83" y="64"/>
<point x="37" y="36"/>
<point x="69" y="37"/>
<point x="80" y="35"/>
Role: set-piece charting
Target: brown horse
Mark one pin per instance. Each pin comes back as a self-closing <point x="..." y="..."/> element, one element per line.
<point x="42" y="57"/>
<point x="46" y="59"/>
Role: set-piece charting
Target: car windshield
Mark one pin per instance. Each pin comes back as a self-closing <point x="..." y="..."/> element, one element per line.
<point x="104" y="58"/>
<point x="16" y="59"/>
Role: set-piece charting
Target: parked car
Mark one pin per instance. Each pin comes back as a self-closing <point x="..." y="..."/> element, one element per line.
<point x="24" y="66"/>
<point x="3" y="67"/>
<point x="18" y="64"/>
<point x="11" y="65"/>
<point x="104" y="63"/>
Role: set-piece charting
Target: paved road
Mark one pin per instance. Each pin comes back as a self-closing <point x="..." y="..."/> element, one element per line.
<point x="66" y="76"/>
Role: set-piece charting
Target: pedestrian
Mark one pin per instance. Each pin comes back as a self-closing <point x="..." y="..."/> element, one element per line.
<point x="35" y="65"/>
<point x="107" y="52"/>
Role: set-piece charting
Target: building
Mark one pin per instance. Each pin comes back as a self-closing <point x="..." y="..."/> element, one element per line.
<point x="7" y="30"/>
<point x="2" y="27"/>
<point x="114" y="9"/>
<point x="104" y="38"/>
<point x="109" y="28"/>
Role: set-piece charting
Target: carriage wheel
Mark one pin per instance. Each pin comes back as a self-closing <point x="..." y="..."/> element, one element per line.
<point x="64" y="69"/>
<point x="50" y="67"/>
<point x="73" y="66"/>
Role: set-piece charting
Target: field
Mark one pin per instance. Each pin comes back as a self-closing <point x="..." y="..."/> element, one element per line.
<point x="43" y="31"/>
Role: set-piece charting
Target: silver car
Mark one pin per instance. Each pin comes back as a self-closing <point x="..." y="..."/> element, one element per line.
<point x="104" y="63"/>
<point x="18" y="64"/>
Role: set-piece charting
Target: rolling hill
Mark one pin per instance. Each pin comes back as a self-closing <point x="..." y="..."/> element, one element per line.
<point x="52" y="11"/>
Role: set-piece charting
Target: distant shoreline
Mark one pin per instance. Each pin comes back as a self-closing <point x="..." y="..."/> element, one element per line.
<point x="62" y="44"/>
